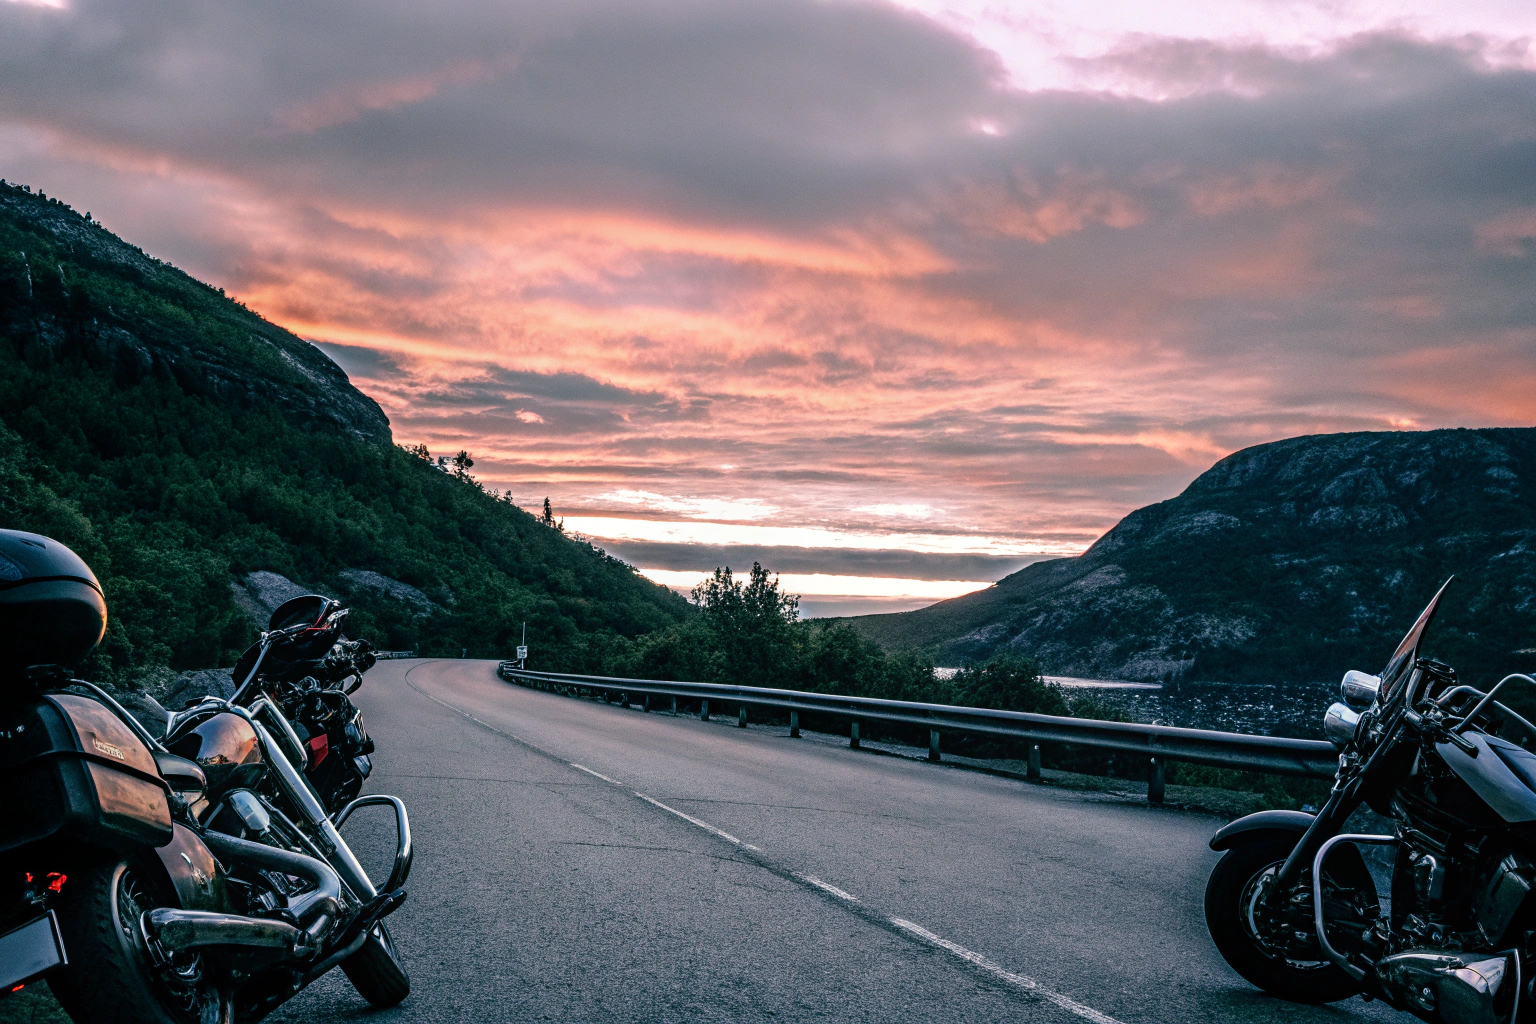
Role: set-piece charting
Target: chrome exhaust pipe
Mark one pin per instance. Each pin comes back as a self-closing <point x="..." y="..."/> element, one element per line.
<point x="182" y="930"/>
<point x="317" y="910"/>
<point x="327" y="882"/>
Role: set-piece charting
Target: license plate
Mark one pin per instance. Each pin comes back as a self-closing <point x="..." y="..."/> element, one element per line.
<point x="29" y="952"/>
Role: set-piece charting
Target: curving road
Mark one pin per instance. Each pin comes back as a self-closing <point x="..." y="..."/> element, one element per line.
<point x="581" y="862"/>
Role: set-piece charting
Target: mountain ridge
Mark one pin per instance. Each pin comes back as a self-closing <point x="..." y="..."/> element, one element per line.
<point x="1291" y="560"/>
<point x="227" y="351"/>
<point x="181" y="443"/>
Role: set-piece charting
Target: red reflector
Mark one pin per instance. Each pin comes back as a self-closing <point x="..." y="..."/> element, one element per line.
<point x="17" y="988"/>
<point x="56" y="881"/>
<point x="321" y="746"/>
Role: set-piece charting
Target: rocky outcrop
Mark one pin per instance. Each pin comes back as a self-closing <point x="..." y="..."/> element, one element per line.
<point x="259" y="593"/>
<point x="369" y="581"/>
<point x="1292" y="560"/>
<point x="222" y="350"/>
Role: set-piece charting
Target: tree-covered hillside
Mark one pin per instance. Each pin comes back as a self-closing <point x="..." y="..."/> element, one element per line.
<point x="179" y="441"/>
<point x="1293" y="560"/>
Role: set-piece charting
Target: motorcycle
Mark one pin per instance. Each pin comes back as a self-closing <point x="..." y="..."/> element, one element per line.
<point x="197" y="880"/>
<point x="1294" y="907"/>
<point x="309" y="670"/>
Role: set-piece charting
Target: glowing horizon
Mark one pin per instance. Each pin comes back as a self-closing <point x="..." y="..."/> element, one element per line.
<point x="665" y="531"/>
<point x="830" y="585"/>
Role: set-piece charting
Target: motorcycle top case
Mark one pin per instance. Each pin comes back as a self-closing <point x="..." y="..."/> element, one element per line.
<point x="73" y="770"/>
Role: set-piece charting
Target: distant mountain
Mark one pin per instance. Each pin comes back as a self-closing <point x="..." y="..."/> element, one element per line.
<point x="192" y="452"/>
<point x="1287" y="561"/>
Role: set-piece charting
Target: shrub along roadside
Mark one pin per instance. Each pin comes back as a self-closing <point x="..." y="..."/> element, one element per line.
<point x="748" y="633"/>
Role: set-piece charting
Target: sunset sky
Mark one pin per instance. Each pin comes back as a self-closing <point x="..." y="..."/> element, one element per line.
<point x="895" y="299"/>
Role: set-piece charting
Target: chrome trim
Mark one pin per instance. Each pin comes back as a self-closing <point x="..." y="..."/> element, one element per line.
<point x="1339" y="724"/>
<point x="296" y="787"/>
<point x="1317" y="896"/>
<point x="263" y="706"/>
<point x="1359" y="689"/>
<point x="250" y="810"/>
<point x="327" y="892"/>
<point x="404" y="852"/>
<point x="177" y="930"/>
<point x="1470" y="715"/>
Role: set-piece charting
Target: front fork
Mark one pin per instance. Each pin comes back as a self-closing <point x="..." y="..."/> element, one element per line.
<point x="1328" y="823"/>
<point x="1342" y="802"/>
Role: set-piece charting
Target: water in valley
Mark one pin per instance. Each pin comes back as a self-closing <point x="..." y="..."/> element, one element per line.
<point x="1291" y="709"/>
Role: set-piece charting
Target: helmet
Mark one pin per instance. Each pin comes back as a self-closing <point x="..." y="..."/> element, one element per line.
<point x="51" y="608"/>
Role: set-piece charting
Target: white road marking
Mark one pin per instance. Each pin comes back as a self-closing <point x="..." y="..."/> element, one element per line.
<point x="1016" y="980"/>
<point x="706" y="826"/>
<point x="975" y="959"/>
<point x="917" y="931"/>
<point x="589" y="771"/>
<point x="827" y="888"/>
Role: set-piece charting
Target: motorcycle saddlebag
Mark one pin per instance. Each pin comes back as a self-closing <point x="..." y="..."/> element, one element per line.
<point x="72" y="769"/>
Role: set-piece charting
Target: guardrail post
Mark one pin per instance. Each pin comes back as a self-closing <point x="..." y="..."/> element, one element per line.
<point x="741" y="716"/>
<point x="704" y="711"/>
<point x="1034" y="762"/>
<point x="674" y="705"/>
<point x="1155" y="779"/>
<point x="933" y="744"/>
<point x="853" y="734"/>
<point x="794" y="725"/>
<point x="645" y="704"/>
<point x="624" y="701"/>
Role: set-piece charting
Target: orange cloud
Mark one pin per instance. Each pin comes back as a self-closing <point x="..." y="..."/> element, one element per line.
<point x="351" y="101"/>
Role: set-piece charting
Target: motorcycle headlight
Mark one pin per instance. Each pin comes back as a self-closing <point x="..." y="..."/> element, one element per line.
<point x="1359" y="688"/>
<point x="1339" y="724"/>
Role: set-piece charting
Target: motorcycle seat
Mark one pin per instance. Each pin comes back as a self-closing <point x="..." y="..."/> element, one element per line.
<point x="184" y="776"/>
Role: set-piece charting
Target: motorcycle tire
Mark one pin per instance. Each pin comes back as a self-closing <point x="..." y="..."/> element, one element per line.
<point x="1311" y="982"/>
<point x="109" y="978"/>
<point x="376" y="972"/>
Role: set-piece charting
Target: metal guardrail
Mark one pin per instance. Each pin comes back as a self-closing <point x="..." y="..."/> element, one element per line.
<point x="1158" y="743"/>
<point x="389" y="655"/>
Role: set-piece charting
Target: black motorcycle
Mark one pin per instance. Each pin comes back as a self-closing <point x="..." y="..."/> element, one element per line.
<point x="196" y="881"/>
<point x="1294" y="907"/>
<point x="309" y="670"/>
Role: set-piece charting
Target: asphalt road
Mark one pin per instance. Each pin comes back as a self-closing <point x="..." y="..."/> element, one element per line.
<point x="581" y="862"/>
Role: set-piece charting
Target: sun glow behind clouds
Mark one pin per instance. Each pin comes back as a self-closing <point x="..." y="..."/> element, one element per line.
<point x="1056" y="44"/>
<point x="827" y="585"/>
<point x="661" y="531"/>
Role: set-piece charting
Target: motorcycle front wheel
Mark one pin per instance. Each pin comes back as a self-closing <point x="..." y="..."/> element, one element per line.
<point x="1231" y="898"/>
<point x="110" y="978"/>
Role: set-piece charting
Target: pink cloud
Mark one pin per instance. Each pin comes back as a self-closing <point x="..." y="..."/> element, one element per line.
<point x="764" y="253"/>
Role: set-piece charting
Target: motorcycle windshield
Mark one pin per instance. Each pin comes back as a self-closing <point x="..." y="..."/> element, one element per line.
<point x="1401" y="666"/>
